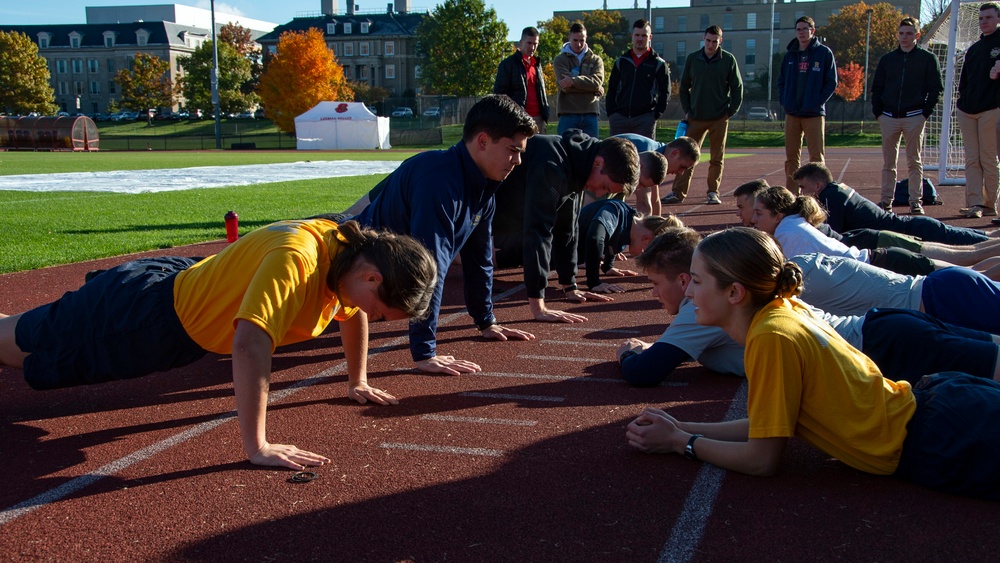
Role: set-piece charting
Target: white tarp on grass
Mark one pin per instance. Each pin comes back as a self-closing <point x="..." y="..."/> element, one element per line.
<point x="140" y="181"/>
<point x="341" y="125"/>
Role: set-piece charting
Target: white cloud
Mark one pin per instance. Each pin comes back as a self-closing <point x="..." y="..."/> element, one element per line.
<point x="220" y="7"/>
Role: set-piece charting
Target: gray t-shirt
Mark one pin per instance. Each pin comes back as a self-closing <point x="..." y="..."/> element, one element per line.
<point x="710" y="345"/>
<point x="848" y="287"/>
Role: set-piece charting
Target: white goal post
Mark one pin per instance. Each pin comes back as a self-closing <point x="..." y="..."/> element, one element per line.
<point x="948" y="39"/>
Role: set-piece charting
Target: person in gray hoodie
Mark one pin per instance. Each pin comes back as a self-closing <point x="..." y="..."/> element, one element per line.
<point x="580" y="77"/>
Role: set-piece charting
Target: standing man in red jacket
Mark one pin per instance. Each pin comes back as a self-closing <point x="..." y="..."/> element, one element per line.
<point x="519" y="76"/>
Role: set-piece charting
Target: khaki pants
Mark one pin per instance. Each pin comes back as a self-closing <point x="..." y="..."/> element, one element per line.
<point x="981" y="168"/>
<point x="717" y="131"/>
<point x="795" y="127"/>
<point x="911" y="130"/>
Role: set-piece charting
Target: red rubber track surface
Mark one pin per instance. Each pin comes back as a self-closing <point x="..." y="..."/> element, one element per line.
<point x="526" y="461"/>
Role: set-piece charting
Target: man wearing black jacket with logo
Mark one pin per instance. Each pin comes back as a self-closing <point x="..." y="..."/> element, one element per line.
<point x="906" y="89"/>
<point x="639" y="87"/>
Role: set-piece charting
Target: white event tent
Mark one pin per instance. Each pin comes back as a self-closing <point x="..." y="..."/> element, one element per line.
<point x="341" y="125"/>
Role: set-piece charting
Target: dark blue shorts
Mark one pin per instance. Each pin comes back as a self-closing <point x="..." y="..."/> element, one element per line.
<point x="907" y="345"/>
<point x="952" y="443"/>
<point x="119" y="325"/>
<point x="963" y="297"/>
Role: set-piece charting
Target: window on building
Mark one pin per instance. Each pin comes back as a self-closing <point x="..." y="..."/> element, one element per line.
<point x="95" y="87"/>
<point x="331" y="29"/>
<point x="703" y="24"/>
<point x="751" y="56"/>
<point x="681" y="53"/>
<point x="348" y="72"/>
<point x="727" y="44"/>
<point x="347" y="28"/>
<point x="61" y="66"/>
<point x="364" y="27"/>
<point x="751" y="20"/>
<point x="43" y="40"/>
<point x="111" y="86"/>
<point x="273" y="49"/>
<point x="682" y="24"/>
<point x="63" y="88"/>
<point x="390" y="71"/>
<point x="111" y="65"/>
<point x="658" y="46"/>
<point x="363" y="72"/>
<point x="74" y="40"/>
<point x="727" y="22"/>
<point x="777" y="19"/>
<point x="78" y="88"/>
<point x="333" y="49"/>
<point x="92" y="65"/>
<point x="348" y="49"/>
<point x="799" y="14"/>
<point x="417" y="71"/>
<point x="142" y="37"/>
<point x="77" y="66"/>
<point x="658" y="24"/>
<point x="363" y="49"/>
<point x="390" y="48"/>
<point x="109" y="38"/>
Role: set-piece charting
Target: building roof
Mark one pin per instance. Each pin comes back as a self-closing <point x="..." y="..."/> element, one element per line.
<point x="380" y="25"/>
<point x="92" y="35"/>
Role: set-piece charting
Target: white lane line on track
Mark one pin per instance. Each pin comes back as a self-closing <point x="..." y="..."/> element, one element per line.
<point x="599" y="330"/>
<point x="578" y="343"/>
<point x="479" y="420"/>
<point x="843" y="171"/>
<point x="512" y="396"/>
<point x="443" y="449"/>
<point x="581" y="378"/>
<point x="690" y="525"/>
<point x="78" y="483"/>
<point x="562" y="358"/>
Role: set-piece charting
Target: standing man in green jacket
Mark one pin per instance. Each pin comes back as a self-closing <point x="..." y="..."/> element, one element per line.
<point x="711" y="92"/>
<point x="907" y="86"/>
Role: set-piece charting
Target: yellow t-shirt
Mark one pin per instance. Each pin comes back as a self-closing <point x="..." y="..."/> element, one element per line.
<point x="274" y="277"/>
<point x="806" y="381"/>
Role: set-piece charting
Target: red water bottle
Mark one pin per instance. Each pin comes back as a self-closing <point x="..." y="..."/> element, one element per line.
<point x="232" y="226"/>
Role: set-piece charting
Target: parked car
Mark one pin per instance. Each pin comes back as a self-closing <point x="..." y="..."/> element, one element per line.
<point x="259" y="114"/>
<point x="62" y="114"/>
<point x="245" y="115"/>
<point x="196" y="114"/>
<point x="402" y="112"/>
<point x="432" y="112"/>
<point x="372" y="109"/>
<point x="760" y="113"/>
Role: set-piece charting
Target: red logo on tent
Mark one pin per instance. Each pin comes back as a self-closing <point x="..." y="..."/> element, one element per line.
<point x="341" y="108"/>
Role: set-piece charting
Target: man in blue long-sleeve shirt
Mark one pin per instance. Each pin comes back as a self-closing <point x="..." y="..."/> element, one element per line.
<point x="445" y="199"/>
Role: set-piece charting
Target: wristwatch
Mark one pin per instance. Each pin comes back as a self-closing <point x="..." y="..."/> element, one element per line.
<point x="689" y="448"/>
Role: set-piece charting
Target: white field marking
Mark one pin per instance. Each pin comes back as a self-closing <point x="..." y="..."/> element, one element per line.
<point x="581" y="378"/>
<point x="690" y="525"/>
<point x="443" y="449"/>
<point x="78" y="483"/>
<point x="578" y="343"/>
<point x="478" y="420"/>
<point x="596" y="331"/>
<point x="843" y="171"/>
<point x="561" y="358"/>
<point x="512" y="397"/>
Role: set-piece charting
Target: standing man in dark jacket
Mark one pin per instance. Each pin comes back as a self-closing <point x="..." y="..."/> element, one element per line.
<point x="639" y="86"/>
<point x="907" y="86"/>
<point x="520" y="77"/>
<point x="711" y="92"/>
<point x="806" y="81"/>
<point x="977" y="103"/>
<point x="537" y="209"/>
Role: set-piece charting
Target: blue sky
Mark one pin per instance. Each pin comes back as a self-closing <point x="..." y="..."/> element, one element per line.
<point x="517" y="14"/>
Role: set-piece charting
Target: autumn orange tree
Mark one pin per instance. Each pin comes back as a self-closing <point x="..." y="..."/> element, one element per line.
<point x="302" y="73"/>
<point x="850" y="81"/>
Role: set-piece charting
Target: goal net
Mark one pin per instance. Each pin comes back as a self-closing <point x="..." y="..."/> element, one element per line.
<point x="948" y="39"/>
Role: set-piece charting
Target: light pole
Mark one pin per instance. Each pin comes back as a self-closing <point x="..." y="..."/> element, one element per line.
<point x="864" y="85"/>
<point x="215" y="83"/>
<point x="770" y="61"/>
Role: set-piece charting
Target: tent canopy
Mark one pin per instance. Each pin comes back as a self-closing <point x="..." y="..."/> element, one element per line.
<point x="341" y="125"/>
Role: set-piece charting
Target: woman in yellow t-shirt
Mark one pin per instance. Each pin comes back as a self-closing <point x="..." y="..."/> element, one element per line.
<point x="805" y="381"/>
<point x="281" y="284"/>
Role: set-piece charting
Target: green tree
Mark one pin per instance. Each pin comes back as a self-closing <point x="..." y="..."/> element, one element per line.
<point x="846" y="32"/>
<point x="147" y="84"/>
<point x="241" y="38"/>
<point x="24" y="76"/>
<point x="368" y="94"/>
<point x="459" y="46"/>
<point x="552" y="35"/>
<point x="234" y="74"/>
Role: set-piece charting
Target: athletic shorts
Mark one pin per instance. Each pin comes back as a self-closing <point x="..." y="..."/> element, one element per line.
<point x="952" y="443"/>
<point x="121" y="324"/>
<point x="888" y="239"/>
<point x="963" y="297"/>
<point x="901" y="261"/>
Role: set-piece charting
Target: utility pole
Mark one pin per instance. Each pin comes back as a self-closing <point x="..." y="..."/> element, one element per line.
<point x="215" y="83"/>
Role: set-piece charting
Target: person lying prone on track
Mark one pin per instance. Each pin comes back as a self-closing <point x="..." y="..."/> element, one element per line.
<point x="904" y="344"/>
<point x="805" y="381"/>
<point x="281" y="284"/>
